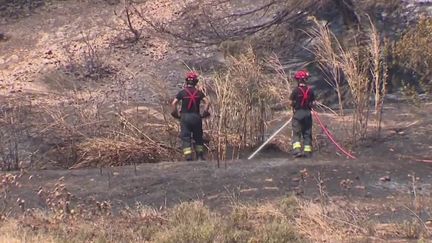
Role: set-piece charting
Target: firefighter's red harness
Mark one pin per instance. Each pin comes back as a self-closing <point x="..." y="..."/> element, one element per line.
<point x="305" y="97"/>
<point x="193" y="98"/>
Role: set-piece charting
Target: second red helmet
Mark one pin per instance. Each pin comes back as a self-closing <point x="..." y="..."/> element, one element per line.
<point x="192" y="75"/>
<point x="302" y="75"/>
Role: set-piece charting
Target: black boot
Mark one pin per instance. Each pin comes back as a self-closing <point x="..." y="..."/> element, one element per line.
<point x="189" y="157"/>
<point x="297" y="153"/>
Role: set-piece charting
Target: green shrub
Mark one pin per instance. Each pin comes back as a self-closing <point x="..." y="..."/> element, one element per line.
<point x="189" y="223"/>
<point x="413" y="52"/>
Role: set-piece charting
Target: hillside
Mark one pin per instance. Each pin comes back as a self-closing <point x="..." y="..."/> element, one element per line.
<point x="90" y="153"/>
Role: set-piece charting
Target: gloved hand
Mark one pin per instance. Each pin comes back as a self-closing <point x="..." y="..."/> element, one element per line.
<point x="175" y="114"/>
<point x="205" y="114"/>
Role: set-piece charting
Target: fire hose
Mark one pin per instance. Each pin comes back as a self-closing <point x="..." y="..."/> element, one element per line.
<point x="330" y="136"/>
<point x="270" y="138"/>
<point x="324" y="128"/>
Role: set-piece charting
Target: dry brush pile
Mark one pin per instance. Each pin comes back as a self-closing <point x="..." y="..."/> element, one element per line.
<point x="83" y="130"/>
<point x="121" y="136"/>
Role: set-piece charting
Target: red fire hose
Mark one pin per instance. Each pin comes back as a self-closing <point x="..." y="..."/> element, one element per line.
<point x="330" y="136"/>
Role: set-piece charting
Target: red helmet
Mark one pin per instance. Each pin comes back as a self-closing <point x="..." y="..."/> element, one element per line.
<point x="302" y="75"/>
<point x="191" y="75"/>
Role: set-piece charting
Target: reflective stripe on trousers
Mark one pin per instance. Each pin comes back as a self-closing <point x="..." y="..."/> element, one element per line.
<point x="187" y="151"/>
<point x="199" y="148"/>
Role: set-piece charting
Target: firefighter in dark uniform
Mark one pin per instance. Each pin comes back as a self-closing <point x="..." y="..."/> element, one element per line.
<point x="190" y="116"/>
<point x="302" y="100"/>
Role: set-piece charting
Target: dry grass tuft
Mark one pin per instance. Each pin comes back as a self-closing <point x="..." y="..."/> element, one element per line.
<point x="244" y="95"/>
<point x="329" y="222"/>
<point x="326" y="55"/>
<point x="8" y="182"/>
<point x="361" y="64"/>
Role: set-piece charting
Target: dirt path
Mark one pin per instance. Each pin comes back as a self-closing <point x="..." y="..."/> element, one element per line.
<point x="166" y="184"/>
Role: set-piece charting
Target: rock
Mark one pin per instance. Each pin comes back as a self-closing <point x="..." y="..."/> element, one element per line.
<point x="13" y="58"/>
<point x="60" y="34"/>
<point x="385" y="178"/>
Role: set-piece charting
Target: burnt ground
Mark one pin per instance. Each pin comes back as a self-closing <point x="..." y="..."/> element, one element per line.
<point x="166" y="184"/>
<point x="156" y="184"/>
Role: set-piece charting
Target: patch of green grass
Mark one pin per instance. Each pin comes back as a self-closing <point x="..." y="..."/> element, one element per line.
<point x="277" y="231"/>
<point x="187" y="223"/>
<point x="287" y="220"/>
<point x="289" y="206"/>
<point x="262" y="223"/>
